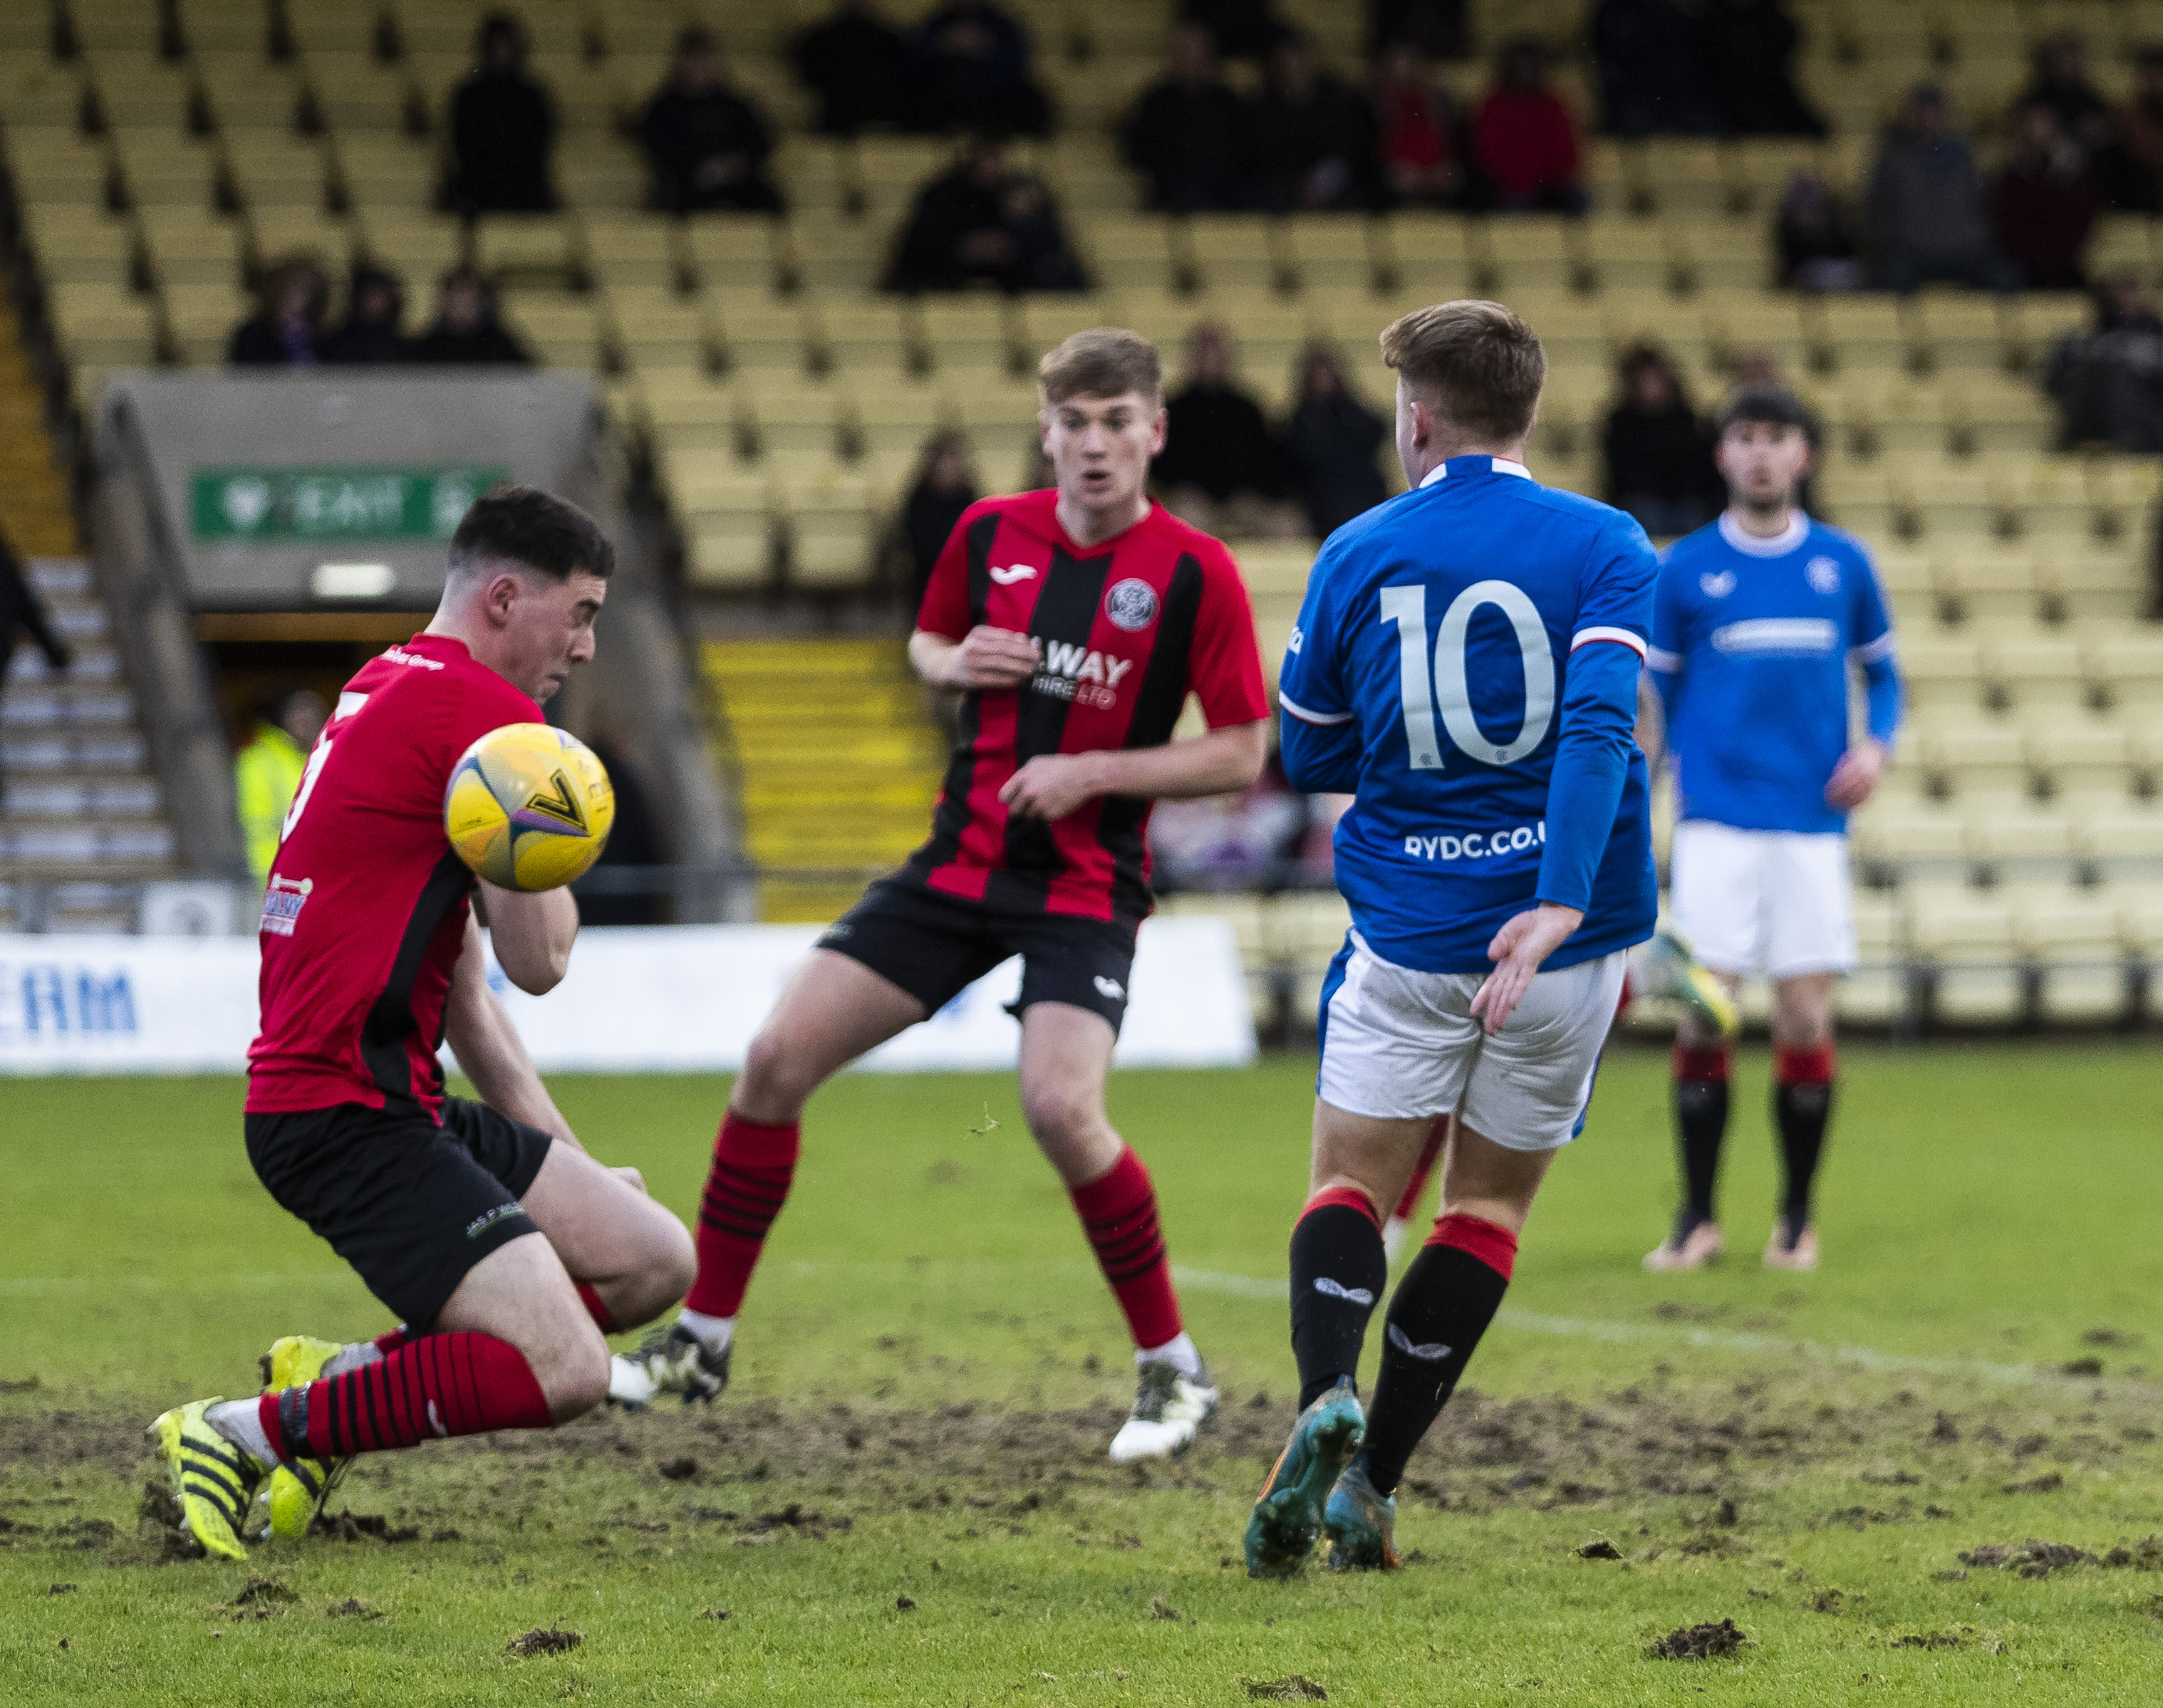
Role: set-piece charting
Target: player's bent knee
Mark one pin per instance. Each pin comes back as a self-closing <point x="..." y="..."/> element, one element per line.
<point x="574" y="1378"/>
<point x="1060" y="1112"/>
<point x="771" y="1087"/>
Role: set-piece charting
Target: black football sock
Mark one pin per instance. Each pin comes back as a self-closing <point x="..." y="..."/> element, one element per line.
<point x="1440" y="1310"/>
<point x="1700" y="1075"/>
<point x="1802" y="1105"/>
<point x="1339" y="1270"/>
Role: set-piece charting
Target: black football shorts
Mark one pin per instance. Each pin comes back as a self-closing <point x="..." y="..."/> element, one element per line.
<point x="935" y="946"/>
<point x="410" y="1205"/>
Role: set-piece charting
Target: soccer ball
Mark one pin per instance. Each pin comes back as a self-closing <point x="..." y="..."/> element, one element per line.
<point x="528" y="807"/>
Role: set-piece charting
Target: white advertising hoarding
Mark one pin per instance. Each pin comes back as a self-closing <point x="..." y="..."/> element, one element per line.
<point x="669" y="999"/>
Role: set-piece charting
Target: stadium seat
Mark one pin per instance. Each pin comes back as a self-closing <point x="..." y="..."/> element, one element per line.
<point x="375" y="172"/>
<point x="1328" y="252"/>
<point x="1896" y="838"/>
<point x="2023" y="842"/>
<point x="1973" y="754"/>
<point x="1526" y="252"/>
<point x="1961" y="333"/>
<point x="796" y="420"/>
<point x="76" y="244"/>
<point x="827" y="253"/>
<point x="1232" y="253"/>
<point x="2074" y="943"/>
<point x="966" y="335"/>
<point x="2122" y="841"/>
<point x="1942" y="672"/>
<point x="1876" y="992"/>
<point x="1425" y="256"/>
<point x="103" y="325"/>
<point x="1979" y="578"/>
<point x="1274" y="568"/>
<point x="529" y="248"/>
<point x="1964" y="941"/>
<point x="603" y="174"/>
<point x="832" y="516"/>
<point x="737" y="252"/>
<point x="726" y="517"/>
<point x="200" y="319"/>
<point x="762" y="337"/>
<point x="2083" y="758"/>
<point x="656" y="329"/>
<point x="272" y="232"/>
<point x="564" y="329"/>
<point x="2037" y="673"/>
<point x="419" y="247"/>
<point x="1129" y="251"/>
<point x="873" y="337"/>
<point x="636" y="249"/>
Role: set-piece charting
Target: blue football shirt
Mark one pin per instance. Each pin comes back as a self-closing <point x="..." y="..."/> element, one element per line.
<point x="1466" y="666"/>
<point x="1752" y="643"/>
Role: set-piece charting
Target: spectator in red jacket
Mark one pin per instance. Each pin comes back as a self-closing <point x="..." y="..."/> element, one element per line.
<point x="2046" y="201"/>
<point x="1418" y="141"/>
<point x="1527" y="140"/>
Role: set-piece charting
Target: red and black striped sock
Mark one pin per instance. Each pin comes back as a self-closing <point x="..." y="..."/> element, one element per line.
<point x="1802" y="1105"/>
<point x="1118" y="1214"/>
<point x="753" y="1165"/>
<point x="390" y="1341"/>
<point x="462" y="1384"/>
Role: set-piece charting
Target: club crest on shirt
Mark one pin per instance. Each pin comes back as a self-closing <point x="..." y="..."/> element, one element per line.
<point x="1823" y="574"/>
<point x="1131" y="604"/>
<point x="1717" y="584"/>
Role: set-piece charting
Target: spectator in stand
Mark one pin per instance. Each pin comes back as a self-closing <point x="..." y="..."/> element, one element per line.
<point x="2060" y="82"/>
<point x="1651" y="55"/>
<point x="1191" y="136"/>
<point x="373" y="332"/>
<point x="1749" y="70"/>
<point x="1929" y="216"/>
<point x="286" y="329"/>
<point x="1332" y="439"/>
<point x="1657" y="451"/>
<point x="20" y="612"/>
<point x="1243" y="30"/>
<point x="1315" y="136"/>
<point x="857" y="66"/>
<point x="1225" y="843"/>
<point x="972" y="73"/>
<point x="2046" y="202"/>
<point x="1435" y="27"/>
<point x="945" y="486"/>
<point x="1527" y="140"/>
<point x="2132" y="164"/>
<point x="266" y="772"/>
<point x="2108" y="383"/>
<point x="707" y="144"/>
<point x="1815" y="237"/>
<point x="503" y="128"/>
<point x="466" y="332"/>
<point x="1222" y="469"/>
<point x="1421" y="146"/>
<point x="982" y="222"/>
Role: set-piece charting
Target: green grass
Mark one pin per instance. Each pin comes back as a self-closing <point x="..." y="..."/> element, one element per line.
<point x="930" y="1364"/>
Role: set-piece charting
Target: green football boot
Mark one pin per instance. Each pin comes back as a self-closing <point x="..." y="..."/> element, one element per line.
<point x="1360" y="1523"/>
<point x="1287" y="1518"/>
<point x="1669" y="968"/>
<point x="296" y="1492"/>
<point x="212" y="1479"/>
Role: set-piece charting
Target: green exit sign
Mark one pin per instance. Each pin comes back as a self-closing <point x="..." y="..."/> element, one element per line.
<point x="271" y="504"/>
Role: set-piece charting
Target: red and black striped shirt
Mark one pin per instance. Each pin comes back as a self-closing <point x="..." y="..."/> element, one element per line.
<point x="1125" y="630"/>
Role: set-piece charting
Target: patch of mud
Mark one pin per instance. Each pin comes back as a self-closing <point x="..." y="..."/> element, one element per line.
<point x="1960" y="1637"/>
<point x="550" y="1642"/>
<point x="361" y="1527"/>
<point x="1291" y="1688"/>
<point x="353" y="1607"/>
<point x="2037" y="1559"/>
<point x="1713" y="1641"/>
<point x="1600" y="1547"/>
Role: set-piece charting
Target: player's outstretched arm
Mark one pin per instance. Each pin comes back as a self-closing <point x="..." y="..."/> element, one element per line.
<point x="533" y="932"/>
<point x="488" y="1049"/>
<point x="1222" y="762"/>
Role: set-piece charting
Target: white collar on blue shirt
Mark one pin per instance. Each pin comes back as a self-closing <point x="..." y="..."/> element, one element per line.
<point x="1755" y="545"/>
<point x="1478" y="465"/>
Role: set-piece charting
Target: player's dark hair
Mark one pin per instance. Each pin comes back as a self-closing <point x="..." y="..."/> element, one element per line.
<point x="1102" y="361"/>
<point x="1475" y="362"/>
<point x="1766" y="405"/>
<point x="534" y="530"/>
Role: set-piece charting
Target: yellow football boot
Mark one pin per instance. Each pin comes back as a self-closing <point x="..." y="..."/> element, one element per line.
<point x="212" y="1479"/>
<point x="297" y="1492"/>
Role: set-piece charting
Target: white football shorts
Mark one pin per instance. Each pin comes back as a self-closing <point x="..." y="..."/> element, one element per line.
<point x="1770" y="901"/>
<point x="1402" y="1045"/>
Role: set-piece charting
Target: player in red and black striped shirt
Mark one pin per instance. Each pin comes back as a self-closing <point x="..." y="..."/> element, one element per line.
<point x="1075" y="622"/>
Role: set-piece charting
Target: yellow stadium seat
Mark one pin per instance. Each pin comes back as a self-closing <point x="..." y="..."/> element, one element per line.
<point x="383" y="174"/>
<point x="759" y="334"/>
<point x="2129" y="668"/>
<point x="1425" y="256"/>
<point x="797" y="422"/>
<point x="636" y="249"/>
<point x="655" y="328"/>
<point x="890" y="171"/>
<point x="1086" y="177"/>
<point x="737" y="252"/>
<point x="1128" y="252"/>
<point x="1617" y="253"/>
<point x="103" y="325"/>
<point x="1860" y="332"/>
<point x="1045" y="321"/>
<point x="75" y="244"/>
<point x="1980" y="579"/>
<point x="564" y="329"/>
<point x="867" y="337"/>
<point x="1522" y="251"/>
<point x="1899" y="836"/>
<point x="2083" y="757"/>
<point x="1719" y="254"/>
<point x="971" y="334"/>
<point x="1966" y="941"/>
<point x="1274" y="568"/>
<point x="1979" y="755"/>
<point x="1686" y="176"/>
<point x="529" y="246"/>
<point x="1328" y="252"/>
<point x="1942" y="673"/>
<point x="2122" y="243"/>
<point x="190" y="245"/>
<point x="1231" y="252"/>
<point x="893" y="423"/>
<point x="1876" y="992"/>
<point x="1962" y="332"/>
<point x="2074" y="941"/>
<point x="830" y="253"/>
<point x="727" y="518"/>
<point x="2093" y="585"/>
<point x="2024" y="841"/>
<point x="35" y="92"/>
<point x="200" y="318"/>
<point x="831" y="520"/>
<point x="2120" y="837"/>
<point x="2041" y="318"/>
<point x="273" y="232"/>
<point x="421" y="247"/>
<point x="603" y="174"/>
<point x="1740" y="323"/>
<point x="820" y="173"/>
<point x="689" y="415"/>
<point x="2038" y="673"/>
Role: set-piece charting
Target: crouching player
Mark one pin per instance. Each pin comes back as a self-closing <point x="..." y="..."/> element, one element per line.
<point x="1466" y="665"/>
<point x="504" y="1250"/>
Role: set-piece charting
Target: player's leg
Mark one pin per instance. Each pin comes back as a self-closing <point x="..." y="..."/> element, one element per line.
<point x="1408" y="1201"/>
<point x="1810" y="942"/>
<point x="1066" y="1055"/>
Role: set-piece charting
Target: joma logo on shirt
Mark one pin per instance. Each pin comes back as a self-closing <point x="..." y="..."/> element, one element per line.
<point x="1072" y="673"/>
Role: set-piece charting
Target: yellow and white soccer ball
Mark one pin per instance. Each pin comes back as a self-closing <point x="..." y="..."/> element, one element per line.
<point x="528" y="807"/>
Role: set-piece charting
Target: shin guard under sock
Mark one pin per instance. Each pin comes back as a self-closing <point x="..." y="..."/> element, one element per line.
<point x="1802" y="1103"/>
<point x="748" y="1184"/>
<point x="1441" y="1308"/>
<point x="1118" y="1214"/>
<point x="1700" y="1076"/>
<point x="462" y="1384"/>
<point x="1339" y="1270"/>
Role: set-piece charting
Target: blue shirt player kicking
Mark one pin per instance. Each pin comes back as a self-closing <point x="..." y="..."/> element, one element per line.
<point x="1466" y="666"/>
<point x="1760" y="621"/>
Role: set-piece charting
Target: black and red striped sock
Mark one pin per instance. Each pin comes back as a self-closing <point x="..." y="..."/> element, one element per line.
<point x="1439" y="1313"/>
<point x="1700" y="1076"/>
<point x="753" y="1165"/>
<point x="1118" y="1214"/>
<point x="460" y="1384"/>
<point x="1802" y="1105"/>
<point x="1339" y="1270"/>
<point x="1415" y="1188"/>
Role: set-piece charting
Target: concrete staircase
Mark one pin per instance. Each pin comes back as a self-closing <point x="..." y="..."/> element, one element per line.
<point x="840" y="764"/>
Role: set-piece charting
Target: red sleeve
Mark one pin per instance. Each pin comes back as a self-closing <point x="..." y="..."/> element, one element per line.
<point x="1224" y="665"/>
<point x="480" y="701"/>
<point x="946" y="595"/>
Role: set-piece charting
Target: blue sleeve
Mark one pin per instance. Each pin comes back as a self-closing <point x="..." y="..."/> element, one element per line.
<point x="1670" y="641"/>
<point x="1874" y="649"/>
<point x="1321" y="739"/>
<point x="1598" y="719"/>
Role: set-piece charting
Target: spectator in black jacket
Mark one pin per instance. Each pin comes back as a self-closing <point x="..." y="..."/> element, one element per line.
<point x="981" y="222"/>
<point x="707" y="144"/>
<point x="1435" y="27"/>
<point x="1659" y="454"/>
<point x="503" y="128"/>
<point x="857" y="66"/>
<point x="373" y="329"/>
<point x="1816" y="237"/>
<point x="1332" y="440"/>
<point x="1749" y="59"/>
<point x="1315" y="134"/>
<point x="466" y="332"/>
<point x="21" y="611"/>
<point x="1243" y="30"/>
<point x="286" y="329"/>
<point x="972" y="73"/>
<point x="1191" y="136"/>
<point x="2060" y="82"/>
<point x="1651" y="55"/>
<point x="1222" y="469"/>
<point x="945" y="487"/>
<point x="2108" y="383"/>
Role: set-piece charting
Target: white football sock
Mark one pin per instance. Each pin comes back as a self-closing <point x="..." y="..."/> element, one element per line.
<point x="241" y="1423"/>
<point x="1178" y="1353"/>
<point x="351" y="1356"/>
<point x="714" y="1333"/>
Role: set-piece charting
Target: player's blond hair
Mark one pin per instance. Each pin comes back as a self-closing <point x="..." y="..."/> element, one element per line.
<point x="1475" y="362"/>
<point x="1102" y="361"/>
